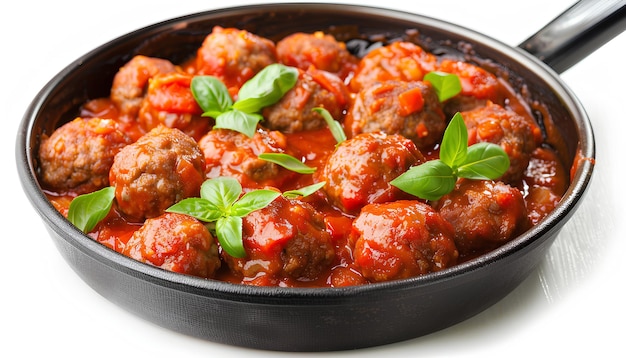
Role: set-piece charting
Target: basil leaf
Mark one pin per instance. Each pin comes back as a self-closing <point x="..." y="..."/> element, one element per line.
<point x="430" y="180"/>
<point x="229" y="232"/>
<point x="335" y="127"/>
<point x="484" y="161"/>
<point x="86" y="210"/>
<point x="211" y="95"/>
<point x="446" y="85"/>
<point x="222" y="192"/>
<point x="238" y="121"/>
<point x="453" y="148"/>
<point x="253" y="200"/>
<point x="266" y="87"/>
<point x="200" y="209"/>
<point x="305" y="191"/>
<point x="288" y="162"/>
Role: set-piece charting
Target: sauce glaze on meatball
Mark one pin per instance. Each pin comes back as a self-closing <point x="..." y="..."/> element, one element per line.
<point x="320" y="50"/>
<point x="358" y="172"/>
<point x="484" y="213"/>
<point x="401" y="239"/>
<point x="234" y="56"/>
<point x="286" y="239"/>
<point x="175" y="242"/>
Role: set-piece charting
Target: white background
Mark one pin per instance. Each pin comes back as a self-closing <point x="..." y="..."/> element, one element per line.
<point x="569" y="306"/>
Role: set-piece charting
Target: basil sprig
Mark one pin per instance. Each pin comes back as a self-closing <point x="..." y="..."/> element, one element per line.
<point x="435" y="178"/>
<point x="288" y="162"/>
<point x="264" y="89"/>
<point x="335" y="127"/>
<point x="446" y="85"/>
<point x="86" y="210"/>
<point x="221" y="202"/>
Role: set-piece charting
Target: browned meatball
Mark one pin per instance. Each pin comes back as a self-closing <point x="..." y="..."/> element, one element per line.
<point x="401" y="239"/>
<point x="163" y="167"/>
<point x="411" y="109"/>
<point x="131" y="81"/>
<point x="322" y="51"/>
<point x="78" y="155"/>
<point x="358" y="172"/>
<point x="485" y="214"/>
<point x="234" y="56"/>
<point x="514" y="133"/>
<point x="546" y="180"/>
<point x="286" y="239"/>
<point x="169" y="101"/>
<point x="314" y="88"/>
<point x="233" y="154"/>
<point x="177" y="243"/>
<point x="400" y="61"/>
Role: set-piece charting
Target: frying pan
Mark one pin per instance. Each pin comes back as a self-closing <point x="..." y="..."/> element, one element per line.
<point x="287" y="319"/>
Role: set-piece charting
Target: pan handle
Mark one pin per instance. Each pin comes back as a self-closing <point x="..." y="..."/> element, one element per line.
<point x="577" y="32"/>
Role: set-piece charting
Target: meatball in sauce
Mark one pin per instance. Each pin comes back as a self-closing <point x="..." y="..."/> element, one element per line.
<point x="77" y="157"/>
<point x="160" y="169"/>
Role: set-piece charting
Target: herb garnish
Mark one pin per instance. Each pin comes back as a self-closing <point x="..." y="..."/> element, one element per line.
<point x="435" y="178"/>
<point x="220" y="202"/>
<point x="446" y="85"/>
<point x="288" y="162"/>
<point x="264" y="89"/>
<point x="333" y="125"/>
<point x="86" y="210"/>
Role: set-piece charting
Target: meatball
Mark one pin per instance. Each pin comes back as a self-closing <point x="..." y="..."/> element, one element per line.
<point x="546" y="181"/>
<point x="358" y="172"/>
<point x="234" y="56"/>
<point x="401" y="239"/>
<point x="233" y="154"/>
<point x="169" y="102"/>
<point x="411" y="109"/>
<point x="401" y="61"/>
<point x="175" y="242"/>
<point x="285" y="240"/>
<point x="163" y="167"/>
<point x="485" y="214"/>
<point x="477" y="86"/>
<point x="130" y="82"/>
<point x="77" y="156"/>
<point x="514" y="133"/>
<point x="322" y="51"/>
<point x="314" y="88"/>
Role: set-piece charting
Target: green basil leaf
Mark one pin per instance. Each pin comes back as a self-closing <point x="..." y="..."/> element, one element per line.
<point x="200" y="209"/>
<point x="222" y="192"/>
<point x="86" y="210"/>
<point x="335" y="127"/>
<point x="430" y="180"/>
<point x="229" y="232"/>
<point x="238" y="121"/>
<point x="446" y="85"/>
<point x="484" y="161"/>
<point x="253" y="200"/>
<point x="453" y="148"/>
<point x="211" y="95"/>
<point x="288" y="162"/>
<point x="304" y="191"/>
<point x="266" y="88"/>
